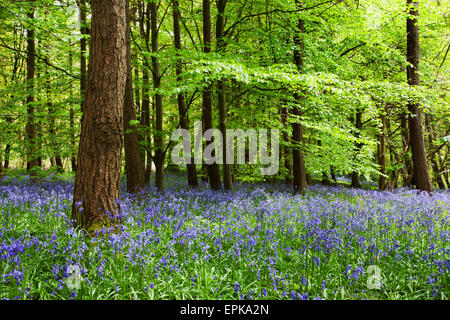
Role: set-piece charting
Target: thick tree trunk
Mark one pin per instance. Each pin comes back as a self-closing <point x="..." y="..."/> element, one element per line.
<point x="213" y="169"/>
<point x="159" y="143"/>
<point x="133" y="164"/>
<point x="32" y="146"/>
<point x="97" y="181"/>
<point x="298" y="163"/>
<point x="184" y="123"/>
<point x="421" y="175"/>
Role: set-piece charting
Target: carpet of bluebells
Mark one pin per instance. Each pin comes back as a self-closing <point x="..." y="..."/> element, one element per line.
<point x="258" y="242"/>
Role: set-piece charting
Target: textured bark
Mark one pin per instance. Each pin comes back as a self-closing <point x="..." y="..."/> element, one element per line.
<point x="184" y="124"/>
<point x="298" y="163"/>
<point x="421" y="174"/>
<point x="159" y="143"/>
<point x="213" y="169"/>
<point x="221" y="98"/>
<point x="133" y="164"/>
<point x="97" y="181"/>
<point x="32" y="149"/>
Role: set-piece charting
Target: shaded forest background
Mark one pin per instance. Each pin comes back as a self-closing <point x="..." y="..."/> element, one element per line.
<point x="340" y="79"/>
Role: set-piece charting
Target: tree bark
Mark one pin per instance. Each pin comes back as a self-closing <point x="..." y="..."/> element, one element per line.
<point x="286" y="149"/>
<point x="382" y="153"/>
<point x="144" y="21"/>
<point x="437" y="176"/>
<point x="32" y="149"/>
<point x="97" y="180"/>
<point x="184" y="122"/>
<point x="356" y="183"/>
<point x="421" y="174"/>
<point x="83" y="47"/>
<point x="221" y="98"/>
<point x="133" y="163"/>
<point x="213" y="169"/>
<point x="159" y="143"/>
<point x="298" y="163"/>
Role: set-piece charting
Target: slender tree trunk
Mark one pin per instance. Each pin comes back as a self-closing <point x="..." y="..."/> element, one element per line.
<point x="133" y="164"/>
<point x="421" y="174"/>
<point x="1" y="160"/>
<point x="83" y="47"/>
<point x="298" y="163"/>
<point x="97" y="180"/>
<point x="73" y="160"/>
<point x="144" y="25"/>
<point x="7" y="154"/>
<point x="213" y="169"/>
<point x="286" y="149"/>
<point x="438" y="178"/>
<point x="221" y="99"/>
<point x="382" y="153"/>
<point x="32" y="149"/>
<point x="333" y="175"/>
<point x="408" y="170"/>
<point x="184" y="124"/>
<point x="356" y="183"/>
<point x="159" y="143"/>
<point x="51" y="113"/>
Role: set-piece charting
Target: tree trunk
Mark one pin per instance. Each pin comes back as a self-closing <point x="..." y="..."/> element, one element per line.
<point x="298" y="163"/>
<point x="144" y="24"/>
<point x="438" y="178"/>
<point x="32" y="152"/>
<point x="333" y="175"/>
<point x="221" y="99"/>
<point x="1" y="160"/>
<point x="133" y="164"/>
<point x="83" y="47"/>
<point x="73" y="159"/>
<point x="421" y="175"/>
<point x="191" y="169"/>
<point x="356" y="183"/>
<point x="159" y="143"/>
<point x="7" y="154"/>
<point x="286" y="149"/>
<point x="382" y="153"/>
<point x="213" y="168"/>
<point x="97" y="180"/>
